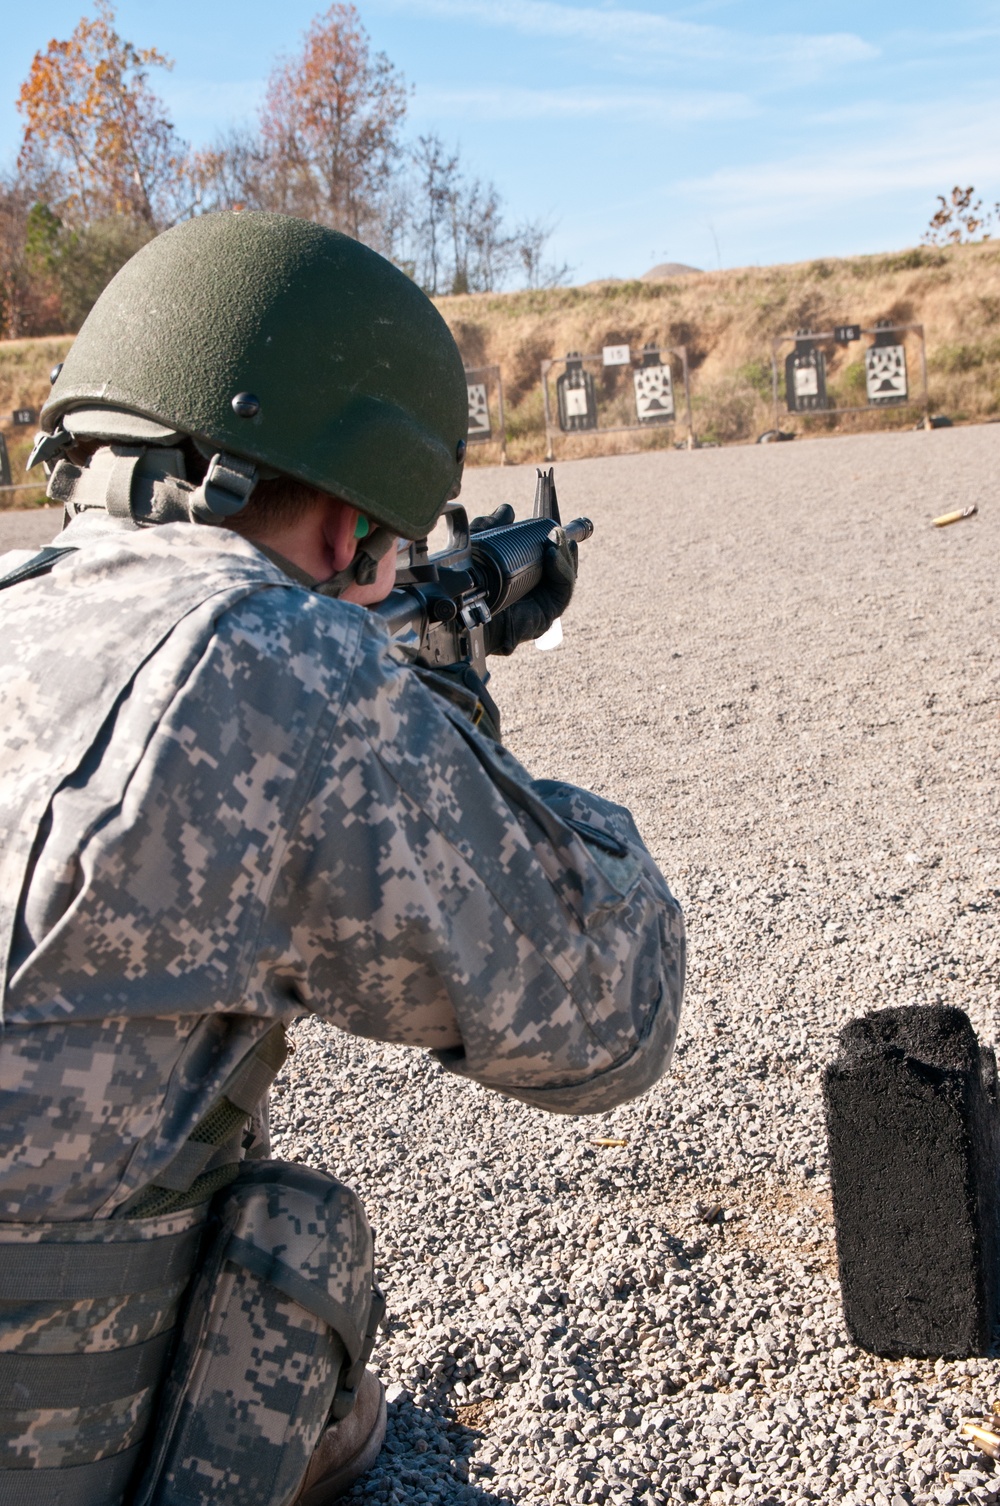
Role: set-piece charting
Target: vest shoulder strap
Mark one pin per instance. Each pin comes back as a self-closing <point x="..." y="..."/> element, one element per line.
<point x="41" y="564"/>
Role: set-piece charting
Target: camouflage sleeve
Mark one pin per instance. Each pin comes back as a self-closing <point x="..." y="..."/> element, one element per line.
<point x="439" y="896"/>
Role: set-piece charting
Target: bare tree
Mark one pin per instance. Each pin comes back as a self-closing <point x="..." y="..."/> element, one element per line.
<point x="461" y="242"/>
<point x="437" y="183"/>
<point x="484" y="250"/>
<point x="531" y="239"/>
<point x="234" y="173"/>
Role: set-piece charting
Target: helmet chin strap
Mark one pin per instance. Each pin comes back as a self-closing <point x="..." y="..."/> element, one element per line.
<point x="379" y="541"/>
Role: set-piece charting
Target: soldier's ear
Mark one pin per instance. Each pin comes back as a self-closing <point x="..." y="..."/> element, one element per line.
<point x="340" y="522"/>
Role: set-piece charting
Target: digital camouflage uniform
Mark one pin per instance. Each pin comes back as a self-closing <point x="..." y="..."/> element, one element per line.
<point x="229" y="801"/>
<point x="232" y="801"/>
<point x="279" y="819"/>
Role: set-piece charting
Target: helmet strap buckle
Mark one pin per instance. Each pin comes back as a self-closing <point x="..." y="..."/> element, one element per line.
<point x="225" y="490"/>
<point x="49" y="448"/>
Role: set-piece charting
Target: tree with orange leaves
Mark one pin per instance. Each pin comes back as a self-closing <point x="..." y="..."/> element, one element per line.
<point x="94" y="132"/>
<point x="960" y="219"/>
<point x="329" y="127"/>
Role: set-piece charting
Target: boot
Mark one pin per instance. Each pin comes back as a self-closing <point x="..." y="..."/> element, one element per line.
<point x="346" y="1449"/>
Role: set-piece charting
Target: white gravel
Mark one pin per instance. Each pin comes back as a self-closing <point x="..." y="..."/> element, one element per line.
<point x="793" y="682"/>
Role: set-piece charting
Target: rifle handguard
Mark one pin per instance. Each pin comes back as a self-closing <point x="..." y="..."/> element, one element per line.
<point x="507" y="561"/>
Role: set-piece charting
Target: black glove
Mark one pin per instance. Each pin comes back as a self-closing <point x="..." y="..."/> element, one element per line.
<point x="535" y="613"/>
<point x="503" y="515"/>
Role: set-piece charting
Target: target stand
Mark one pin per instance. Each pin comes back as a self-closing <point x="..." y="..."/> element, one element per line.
<point x="487" y="424"/>
<point x="616" y="392"/>
<point x="811" y="388"/>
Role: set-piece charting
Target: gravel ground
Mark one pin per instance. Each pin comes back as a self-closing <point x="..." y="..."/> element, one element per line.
<point x="793" y="682"/>
<point x="29" y="530"/>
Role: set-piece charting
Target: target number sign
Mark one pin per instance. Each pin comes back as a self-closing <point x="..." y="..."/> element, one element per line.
<point x="617" y="355"/>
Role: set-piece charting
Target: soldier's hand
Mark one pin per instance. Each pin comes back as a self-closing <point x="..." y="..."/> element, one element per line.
<point x="503" y="515"/>
<point x="535" y="613"/>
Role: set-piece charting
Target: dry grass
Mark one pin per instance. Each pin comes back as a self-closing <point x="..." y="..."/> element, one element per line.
<point x="24" y="383"/>
<point x="25" y="367"/>
<point x="725" y="319"/>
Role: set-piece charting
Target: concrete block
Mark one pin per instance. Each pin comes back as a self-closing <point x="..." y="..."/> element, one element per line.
<point x="912" y="1122"/>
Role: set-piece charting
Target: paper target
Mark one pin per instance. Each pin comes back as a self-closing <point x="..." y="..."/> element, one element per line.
<point x="479" y="412"/>
<point x="805" y="377"/>
<point x="576" y="397"/>
<point x="654" y="394"/>
<point x="885" y="374"/>
<point x="806" y="381"/>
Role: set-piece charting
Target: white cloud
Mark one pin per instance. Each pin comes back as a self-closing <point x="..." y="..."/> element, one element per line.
<point x="645" y="34"/>
<point x="928" y="149"/>
<point x="875" y="190"/>
<point x="517" y="103"/>
<point x="864" y="112"/>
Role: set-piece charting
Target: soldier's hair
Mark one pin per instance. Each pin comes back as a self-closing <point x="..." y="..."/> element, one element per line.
<point x="275" y="504"/>
<point x="272" y="504"/>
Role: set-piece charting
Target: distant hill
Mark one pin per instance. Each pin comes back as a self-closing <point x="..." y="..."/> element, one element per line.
<point x="667" y="269"/>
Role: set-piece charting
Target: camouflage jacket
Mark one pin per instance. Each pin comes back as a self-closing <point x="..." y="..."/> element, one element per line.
<point x="225" y="800"/>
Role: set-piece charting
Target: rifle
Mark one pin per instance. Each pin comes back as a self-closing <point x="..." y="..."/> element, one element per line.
<point x="442" y="601"/>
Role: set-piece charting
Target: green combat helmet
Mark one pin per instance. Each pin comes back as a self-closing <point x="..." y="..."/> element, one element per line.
<point x="278" y="347"/>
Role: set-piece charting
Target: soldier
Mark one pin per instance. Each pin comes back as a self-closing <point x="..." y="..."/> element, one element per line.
<point x="229" y="801"/>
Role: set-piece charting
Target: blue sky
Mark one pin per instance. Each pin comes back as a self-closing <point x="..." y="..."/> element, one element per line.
<point x="726" y="132"/>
